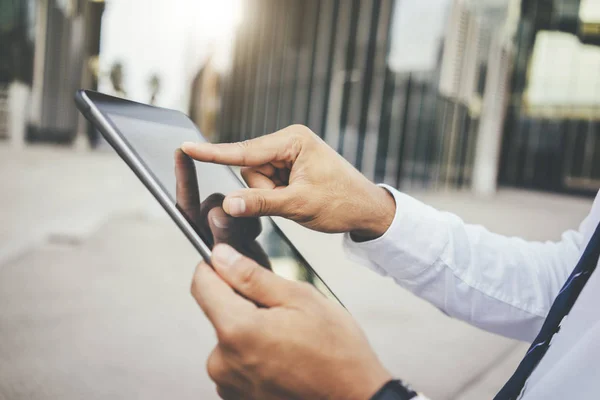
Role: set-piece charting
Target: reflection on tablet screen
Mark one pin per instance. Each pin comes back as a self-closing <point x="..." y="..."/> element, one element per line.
<point x="198" y="190"/>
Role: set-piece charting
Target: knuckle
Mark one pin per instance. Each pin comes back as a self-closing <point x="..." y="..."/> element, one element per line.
<point x="215" y="367"/>
<point x="248" y="275"/>
<point x="232" y="334"/>
<point x="296" y="136"/>
<point x="227" y="336"/>
<point x="301" y="130"/>
<point x="262" y="206"/>
<point x="298" y="141"/>
<point x="293" y="148"/>
<point x="303" y="135"/>
<point x="244" y="144"/>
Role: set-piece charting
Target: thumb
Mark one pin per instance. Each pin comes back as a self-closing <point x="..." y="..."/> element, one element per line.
<point x="258" y="202"/>
<point x="249" y="279"/>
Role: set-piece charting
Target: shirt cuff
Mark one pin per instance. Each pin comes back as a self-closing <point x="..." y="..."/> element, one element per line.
<point x="411" y="244"/>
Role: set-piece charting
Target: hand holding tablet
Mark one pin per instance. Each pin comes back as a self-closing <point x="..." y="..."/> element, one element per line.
<point x="277" y="336"/>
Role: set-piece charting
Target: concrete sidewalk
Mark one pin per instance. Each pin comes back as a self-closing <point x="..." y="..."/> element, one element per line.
<point x="94" y="289"/>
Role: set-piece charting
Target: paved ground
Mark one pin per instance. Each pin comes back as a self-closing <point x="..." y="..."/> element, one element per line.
<point x="94" y="289"/>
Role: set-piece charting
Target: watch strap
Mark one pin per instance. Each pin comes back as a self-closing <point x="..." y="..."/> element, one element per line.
<point x="395" y="390"/>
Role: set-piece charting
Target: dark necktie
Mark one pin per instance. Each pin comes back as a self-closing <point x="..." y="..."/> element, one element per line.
<point x="560" y="308"/>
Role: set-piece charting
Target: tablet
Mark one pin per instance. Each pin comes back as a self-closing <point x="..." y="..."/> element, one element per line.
<point x="148" y="139"/>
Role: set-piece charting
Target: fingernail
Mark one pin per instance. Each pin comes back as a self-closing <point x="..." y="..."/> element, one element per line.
<point x="187" y="145"/>
<point x="220" y="222"/>
<point x="236" y="206"/>
<point x="225" y="255"/>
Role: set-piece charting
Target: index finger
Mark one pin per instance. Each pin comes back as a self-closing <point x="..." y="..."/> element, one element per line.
<point x="221" y="304"/>
<point x="250" y="153"/>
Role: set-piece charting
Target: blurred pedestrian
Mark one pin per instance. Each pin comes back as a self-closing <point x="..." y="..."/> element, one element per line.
<point x="116" y="80"/>
<point x="154" y="84"/>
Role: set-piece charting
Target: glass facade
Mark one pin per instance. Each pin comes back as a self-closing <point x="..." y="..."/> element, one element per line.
<point x="325" y="64"/>
<point x="551" y="135"/>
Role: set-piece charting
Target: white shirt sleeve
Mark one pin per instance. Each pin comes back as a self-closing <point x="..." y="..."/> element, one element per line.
<point x="501" y="284"/>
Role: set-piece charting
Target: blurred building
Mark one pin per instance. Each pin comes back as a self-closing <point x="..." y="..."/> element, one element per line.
<point x="335" y="67"/>
<point x="435" y="94"/>
<point x="465" y="113"/>
<point x="49" y="48"/>
<point x="551" y="133"/>
<point x="16" y="53"/>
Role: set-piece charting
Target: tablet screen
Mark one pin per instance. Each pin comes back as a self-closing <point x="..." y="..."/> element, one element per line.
<point x="197" y="189"/>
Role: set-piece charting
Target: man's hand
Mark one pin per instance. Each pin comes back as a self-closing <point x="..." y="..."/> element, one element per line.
<point x="280" y="339"/>
<point x="294" y="174"/>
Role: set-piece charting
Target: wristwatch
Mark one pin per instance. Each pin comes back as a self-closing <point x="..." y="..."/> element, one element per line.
<point x="395" y="390"/>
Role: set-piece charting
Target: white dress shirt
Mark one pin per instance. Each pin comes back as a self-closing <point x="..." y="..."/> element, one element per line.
<point x="504" y="285"/>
